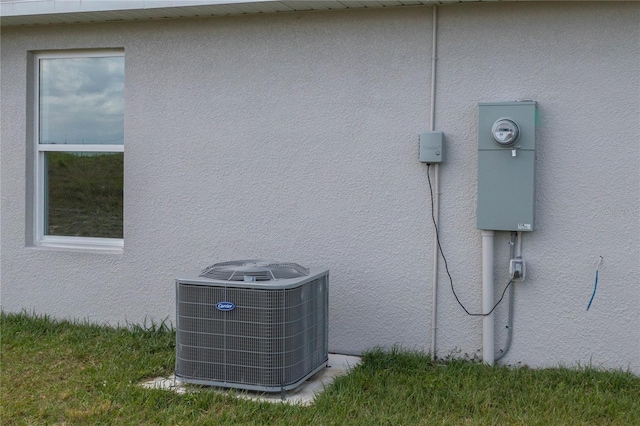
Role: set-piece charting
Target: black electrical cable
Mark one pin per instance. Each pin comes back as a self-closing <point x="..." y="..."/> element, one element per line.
<point x="446" y="266"/>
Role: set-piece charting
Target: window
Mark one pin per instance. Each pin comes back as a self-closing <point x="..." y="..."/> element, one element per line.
<point x="79" y="128"/>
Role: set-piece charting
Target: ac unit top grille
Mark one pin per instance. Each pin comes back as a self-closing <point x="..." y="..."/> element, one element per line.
<point x="254" y="270"/>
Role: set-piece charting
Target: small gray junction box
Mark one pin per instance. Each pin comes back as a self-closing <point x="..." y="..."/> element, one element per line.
<point x="431" y="147"/>
<point x="506" y="166"/>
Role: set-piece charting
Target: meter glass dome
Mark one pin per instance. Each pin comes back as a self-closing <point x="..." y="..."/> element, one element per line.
<point x="505" y="132"/>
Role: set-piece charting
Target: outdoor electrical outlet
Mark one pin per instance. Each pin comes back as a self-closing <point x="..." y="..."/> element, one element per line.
<point x="517" y="269"/>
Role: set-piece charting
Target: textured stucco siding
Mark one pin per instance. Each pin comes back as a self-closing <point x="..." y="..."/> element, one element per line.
<point x="294" y="136"/>
<point x="581" y="63"/>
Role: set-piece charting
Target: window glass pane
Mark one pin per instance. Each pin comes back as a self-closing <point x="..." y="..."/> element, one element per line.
<point x="83" y="192"/>
<point x="82" y="100"/>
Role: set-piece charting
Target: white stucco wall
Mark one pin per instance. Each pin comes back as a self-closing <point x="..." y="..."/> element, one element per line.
<point x="581" y="62"/>
<point x="294" y="136"/>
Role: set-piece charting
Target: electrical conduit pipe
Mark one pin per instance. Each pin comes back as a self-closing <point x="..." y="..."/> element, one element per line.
<point x="436" y="199"/>
<point x="488" y="338"/>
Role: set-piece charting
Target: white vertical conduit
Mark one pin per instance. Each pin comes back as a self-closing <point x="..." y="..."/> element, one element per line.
<point x="488" y="338"/>
<point x="436" y="198"/>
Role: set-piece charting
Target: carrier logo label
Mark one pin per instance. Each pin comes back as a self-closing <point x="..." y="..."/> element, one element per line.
<point x="225" y="306"/>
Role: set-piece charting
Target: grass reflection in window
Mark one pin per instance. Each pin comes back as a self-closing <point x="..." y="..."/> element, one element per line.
<point x="85" y="194"/>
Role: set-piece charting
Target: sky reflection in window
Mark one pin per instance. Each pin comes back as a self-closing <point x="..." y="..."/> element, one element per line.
<point x="82" y="100"/>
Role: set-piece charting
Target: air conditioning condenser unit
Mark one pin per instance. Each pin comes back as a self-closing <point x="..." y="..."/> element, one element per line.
<point x="252" y="324"/>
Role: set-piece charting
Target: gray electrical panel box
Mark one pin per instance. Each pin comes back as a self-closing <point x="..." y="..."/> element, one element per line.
<point x="431" y="147"/>
<point x="506" y="165"/>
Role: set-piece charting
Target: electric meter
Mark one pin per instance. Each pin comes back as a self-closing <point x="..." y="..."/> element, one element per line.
<point x="505" y="132"/>
<point x="506" y="167"/>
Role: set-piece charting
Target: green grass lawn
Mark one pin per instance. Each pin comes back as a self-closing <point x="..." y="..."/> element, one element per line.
<point x="62" y="373"/>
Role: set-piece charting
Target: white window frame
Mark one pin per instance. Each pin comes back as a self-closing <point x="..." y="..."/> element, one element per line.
<point x="56" y="241"/>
